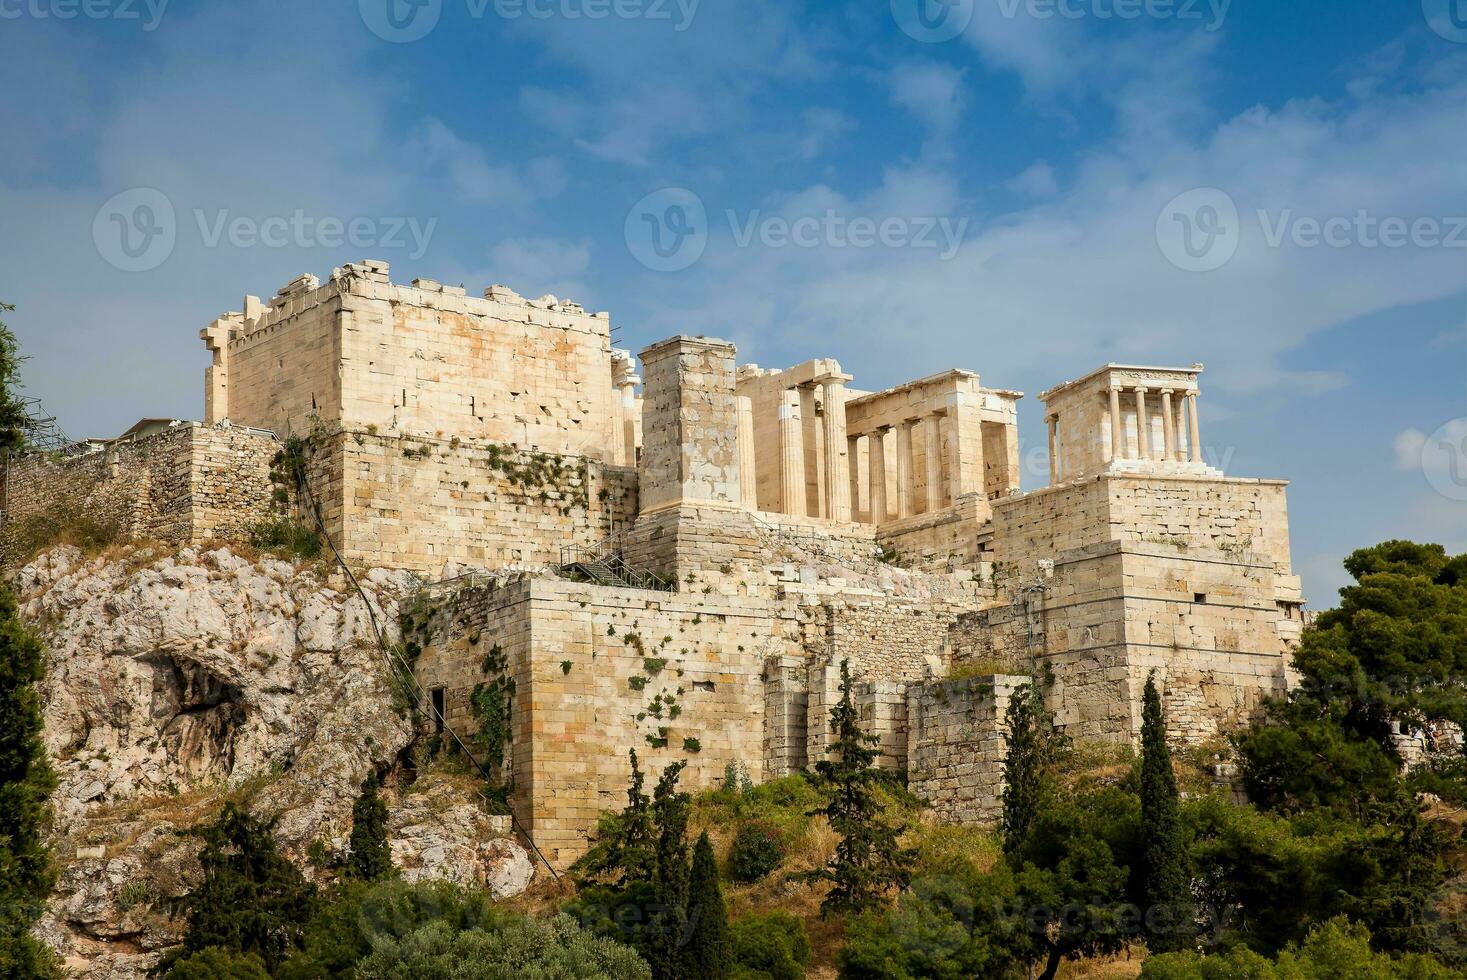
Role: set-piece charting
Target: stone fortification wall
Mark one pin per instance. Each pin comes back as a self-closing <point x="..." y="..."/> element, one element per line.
<point x="956" y="745"/>
<point x="189" y="483"/>
<point x="425" y="503"/>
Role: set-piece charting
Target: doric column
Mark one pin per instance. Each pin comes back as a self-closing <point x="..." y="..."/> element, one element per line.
<point x="1192" y="435"/>
<point x="1053" y="422"/>
<point x="748" y="473"/>
<point x="814" y="460"/>
<point x="853" y="453"/>
<point x="904" y="467"/>
<point x="791" y="455"/>
<point x="933" y="426"/>
<point x="837" y="454"/>
<point x="1168" y="426"/>
<point x="876" y="457"/>
<point x="1143" y="426"/>
<point x="1117" y="431"/>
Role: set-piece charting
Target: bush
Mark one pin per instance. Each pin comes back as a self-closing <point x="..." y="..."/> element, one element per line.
<point x="1338" y="948"/>
<point x="758" y="848"/>
<point x="30" y="535"/>
<point x="218" y="964"/>
<point x="286" y="537"/>
<point x="769" y="947"/>
<point x="513" y="945"/>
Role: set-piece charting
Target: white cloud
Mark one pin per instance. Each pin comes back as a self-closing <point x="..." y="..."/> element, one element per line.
<point x="931" y="91"/>
<point x="474" y="178"/>
<point x="1037" y="181"/>
<point x="535" y="266"/>
<point x="1408" y="446"/>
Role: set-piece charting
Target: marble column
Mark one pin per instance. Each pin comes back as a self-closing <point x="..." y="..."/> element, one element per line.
<point x="853" y="453"/>
<point x="904" y="467"/>
<point x="1168" y="426"/>
<point x="814" y="459"/>
<point x="1117" y="431"/>
<point x="1053" y="422"/>
<point x="933" y="424"/>
<point x="1180" y="421"/>
<point x="1192" y="436"/>
<point x="791" y="455"/>
<point x="876" y="454"/>
<point x="1143" y="426"/>
<point x="748" y="473"/>
<point x="837" y="457"/>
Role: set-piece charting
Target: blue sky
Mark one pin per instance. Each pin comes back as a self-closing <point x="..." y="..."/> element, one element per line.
<point x="1033" y="166"/>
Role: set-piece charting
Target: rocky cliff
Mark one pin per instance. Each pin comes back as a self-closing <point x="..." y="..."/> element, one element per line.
<point x="176" y="680"/>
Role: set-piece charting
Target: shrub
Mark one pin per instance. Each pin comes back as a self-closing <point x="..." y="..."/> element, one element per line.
<point x="514" y="945"/>
<point x="30" y="535"/>
<point x="769" y="947"/>
<point x="218" y="964"/>
<point x="286" y="537"/>
<point x="758" y="848"/>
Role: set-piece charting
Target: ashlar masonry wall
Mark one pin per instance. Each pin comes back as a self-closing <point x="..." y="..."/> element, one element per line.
<point x="956" y="743"/>
<point x="600" y="671"/>
<point x="423" y="503"/>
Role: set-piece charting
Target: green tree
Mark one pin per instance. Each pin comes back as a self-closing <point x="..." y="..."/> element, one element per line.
<point x="508" y="945"/>
<point x="26" y="780"/>
<point x="708" y="948"/>
<point x="773" y="946"/>
<point x="667" y="950"/>
<point x="1393" y="654"/>
<point x="621" y="849"/>
<point x="371" y="856"/>
<point x="251" y="898"/>
<point x="1167" y="885"/>
<point x="1029" y="758"/>
<point x="218" y="964"/>
<point x="869" y="859"/>
<point x="15" y="419"/>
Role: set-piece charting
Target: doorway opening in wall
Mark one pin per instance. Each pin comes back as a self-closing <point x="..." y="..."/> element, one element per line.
<point x="436" y="696"/>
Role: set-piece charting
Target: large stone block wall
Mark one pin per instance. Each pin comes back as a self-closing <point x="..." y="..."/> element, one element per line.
<point x="422" y="503"/>
<point x="424" y="359"/>
<point x="594" y="669"/>
<point x="189" y="483"/>
<point x="956" y="745"/>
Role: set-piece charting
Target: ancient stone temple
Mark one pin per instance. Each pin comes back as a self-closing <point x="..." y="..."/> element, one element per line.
<point x="677" y="556"/>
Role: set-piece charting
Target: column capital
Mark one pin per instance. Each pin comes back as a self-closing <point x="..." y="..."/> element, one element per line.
<point x="1140" y="389"/>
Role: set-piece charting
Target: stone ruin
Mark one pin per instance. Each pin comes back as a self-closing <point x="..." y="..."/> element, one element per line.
<point x="679" y="561"/>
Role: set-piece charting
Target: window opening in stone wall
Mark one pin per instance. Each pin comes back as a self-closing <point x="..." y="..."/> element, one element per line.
<point x="438" y="710"/>
<point x="1199" y="597"/>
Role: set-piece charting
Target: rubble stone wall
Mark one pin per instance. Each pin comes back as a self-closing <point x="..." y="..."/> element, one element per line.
<point x="956" y="745"/>
<point x="189" y="483"/>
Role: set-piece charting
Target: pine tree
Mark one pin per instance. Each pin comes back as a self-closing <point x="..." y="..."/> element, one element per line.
<point x="1027" y="765"/>
<point x="869" y="859"/>
<point x="251" y="899"/>
<point x="708" y="949"/>
<point x="26" y="780"/>
<point x="371" y="856"/>
<point x="667" y="953"/>
<point x="16" y="423"/>
<point x="1166" y="884"/>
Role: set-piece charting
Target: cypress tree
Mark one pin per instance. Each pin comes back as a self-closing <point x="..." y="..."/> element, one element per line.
<point x="1166" y="884"/>
<point x="371" y="856"/>
<point x="251" y="899"/>
<point x="1028" y="761"/>
<point x="667" y="951"/>
<point x="869" y="859"/>
<point x="26" y="780"/>
<point x="708" y="949"/>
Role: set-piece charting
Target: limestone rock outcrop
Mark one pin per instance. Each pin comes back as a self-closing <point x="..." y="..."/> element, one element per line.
<point x="176" y="680"/>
